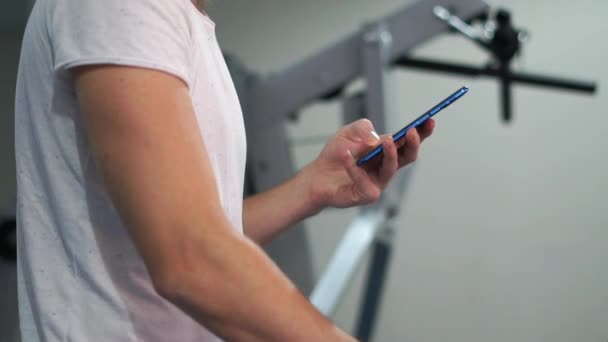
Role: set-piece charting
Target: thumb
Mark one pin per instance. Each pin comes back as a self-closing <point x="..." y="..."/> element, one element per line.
<point x="361" y="131"/>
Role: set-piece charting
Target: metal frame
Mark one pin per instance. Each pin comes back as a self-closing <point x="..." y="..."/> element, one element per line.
<point x="369" y="53"/>
<point x="348" y="255"/>
<point x="269" y="103"/>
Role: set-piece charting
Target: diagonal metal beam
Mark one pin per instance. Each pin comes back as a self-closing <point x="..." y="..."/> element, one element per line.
<point x="341" y="63"/>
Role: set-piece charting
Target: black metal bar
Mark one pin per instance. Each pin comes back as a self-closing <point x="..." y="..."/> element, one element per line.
<point x="505" y="92"/>
<point x="549" y="81"/>
<point x="434" y="65"/>
<point x="8" y="239"/>
<point x="373" y="290"/>
<point x="515" y="77"/>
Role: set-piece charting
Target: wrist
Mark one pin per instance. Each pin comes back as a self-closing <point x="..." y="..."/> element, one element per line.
<point x="312" y="196"/>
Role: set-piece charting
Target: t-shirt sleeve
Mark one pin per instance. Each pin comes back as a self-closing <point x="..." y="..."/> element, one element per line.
<point x="151" y="34"/>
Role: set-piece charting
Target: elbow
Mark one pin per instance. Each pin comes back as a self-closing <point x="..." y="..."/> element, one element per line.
<point x="185" y="290"/>
<point x="166" y="284"/>
<point x="189" y="271"/>
<point x="192" y="293"/>
<point x="186" y="277"/>
<point x="169" y="275"/>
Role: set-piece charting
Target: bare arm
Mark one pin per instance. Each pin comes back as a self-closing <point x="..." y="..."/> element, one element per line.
<point x="267" y="214"/>
<point x="332" y="179"/>
<point x="146" y="142"/>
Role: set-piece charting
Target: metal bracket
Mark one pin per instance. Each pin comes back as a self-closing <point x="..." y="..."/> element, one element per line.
<point x="377" y="41"/>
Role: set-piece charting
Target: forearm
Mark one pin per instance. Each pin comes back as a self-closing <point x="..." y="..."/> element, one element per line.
<point x="267" y="214"/>
<point x="236" y="291"/>
<point x="158" y="175"/>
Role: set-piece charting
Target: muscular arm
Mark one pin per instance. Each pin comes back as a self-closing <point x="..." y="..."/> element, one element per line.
<point x="146" y="143"/>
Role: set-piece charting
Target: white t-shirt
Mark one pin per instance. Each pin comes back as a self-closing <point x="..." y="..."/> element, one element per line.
<point x="80" y="277"/>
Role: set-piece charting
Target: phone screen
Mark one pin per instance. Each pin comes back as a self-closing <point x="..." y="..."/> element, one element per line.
<point x="419" y="121"/>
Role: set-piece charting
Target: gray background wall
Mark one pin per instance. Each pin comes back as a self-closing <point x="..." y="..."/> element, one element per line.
<point x="12" y="18"/>
<point x="503" y="232"/>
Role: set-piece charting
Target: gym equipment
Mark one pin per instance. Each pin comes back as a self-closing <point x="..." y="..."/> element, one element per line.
<point x="503" y="42"/>
<point x="369" y="54"/>
<point x="8" y="239"/>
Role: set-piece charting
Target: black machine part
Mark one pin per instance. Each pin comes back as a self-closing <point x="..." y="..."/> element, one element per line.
<point x="504" y="44"/>
<point x="8" y="239"/>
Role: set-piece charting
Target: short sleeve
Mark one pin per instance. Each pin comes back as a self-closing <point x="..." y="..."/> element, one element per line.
<point x="151" y="34"/>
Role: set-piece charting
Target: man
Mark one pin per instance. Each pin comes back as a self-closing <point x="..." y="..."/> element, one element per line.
<point x="130" y="156"/>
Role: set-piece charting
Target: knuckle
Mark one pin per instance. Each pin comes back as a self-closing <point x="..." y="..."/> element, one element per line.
<point x="408" y="158"/>
<point x="414" y="141"/>
<point x="413" y="158"/>
<point x="366" y="124"/>
<point x="374" y="195"/>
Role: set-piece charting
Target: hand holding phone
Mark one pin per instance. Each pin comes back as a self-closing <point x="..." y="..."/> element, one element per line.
<point x="419" y="121"/>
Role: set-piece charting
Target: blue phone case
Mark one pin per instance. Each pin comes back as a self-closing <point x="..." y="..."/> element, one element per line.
<point x="443" y="104"/>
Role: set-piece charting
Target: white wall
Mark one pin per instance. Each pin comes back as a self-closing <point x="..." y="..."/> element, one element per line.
<point x="503" y="233"/>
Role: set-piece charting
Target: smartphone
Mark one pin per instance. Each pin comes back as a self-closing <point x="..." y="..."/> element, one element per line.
<point x="419" y="121"/>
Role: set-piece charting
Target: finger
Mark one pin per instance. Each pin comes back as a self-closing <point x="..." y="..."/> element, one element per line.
<point x="409" y="152"/>
<point x="390" y="162"/>
<point x="361" y="179"/>
<point x="426" y="129"/>
<point x="411" y="137"/>
<point x="361" y="131"/>
<point x="399" y="143"/>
